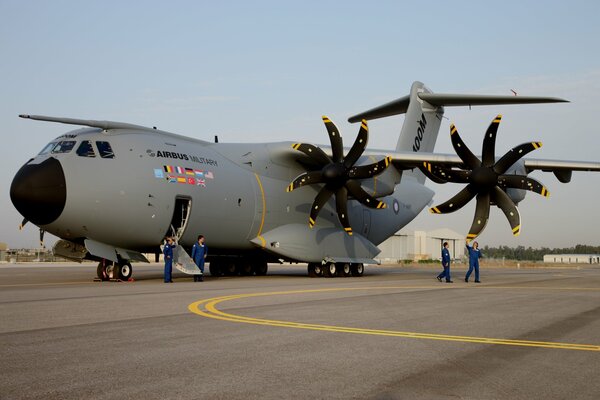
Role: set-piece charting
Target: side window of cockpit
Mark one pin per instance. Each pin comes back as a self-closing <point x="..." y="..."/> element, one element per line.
<point x="47" y="148"/>
<point x="105" y="149"/>
<point x="64" y="146"/>
<point x="85" y="149"/>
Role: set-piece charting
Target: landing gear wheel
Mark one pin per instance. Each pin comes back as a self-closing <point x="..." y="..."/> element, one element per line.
<point x="318" y="269"/>
<point x="357" y="269"/>
<point x="125" y="271"/>
<point x="245" y="268"/>
<point x="261" y="268"/>
<point x="344" y="269"/>
<point x="101" y="270"/>
<point x="330" y="270"/>
<point x="312" y="273"/>
<point x="229" y="268"/>
<point x="215" y="268"/>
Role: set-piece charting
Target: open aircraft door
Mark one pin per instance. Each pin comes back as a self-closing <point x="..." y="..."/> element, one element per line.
<point x="181" y="215"/>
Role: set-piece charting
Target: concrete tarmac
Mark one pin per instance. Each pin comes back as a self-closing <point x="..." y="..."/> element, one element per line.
<point x="396" y="333"/>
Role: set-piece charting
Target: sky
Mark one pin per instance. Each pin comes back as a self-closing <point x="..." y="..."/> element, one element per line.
<point x="265" y="71"/>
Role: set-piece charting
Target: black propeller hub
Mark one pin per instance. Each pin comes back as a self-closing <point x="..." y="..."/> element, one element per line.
<point x="484" y="177"/>
<point x="335" y="174"/>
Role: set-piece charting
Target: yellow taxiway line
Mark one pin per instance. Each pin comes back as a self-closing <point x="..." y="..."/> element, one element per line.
<point x="208" y="308"/>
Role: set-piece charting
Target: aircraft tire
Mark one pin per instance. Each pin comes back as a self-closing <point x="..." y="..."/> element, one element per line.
<point x="344" y="269"/>
<point x="245" y="268"/>
<point x="330" y="270"/>
<point x="229" y="268"/>
<point x="215" y="268"/>
<point x="318" y="269"/>
<point x="312" y="273"/>
<point x="357" y="269"/>
<point x="101" y="270"/>
<point x="261" y="268"/>
<point x="125" y="271"/>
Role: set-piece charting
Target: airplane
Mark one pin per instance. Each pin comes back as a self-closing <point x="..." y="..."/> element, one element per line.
<point x="112" y="191"/>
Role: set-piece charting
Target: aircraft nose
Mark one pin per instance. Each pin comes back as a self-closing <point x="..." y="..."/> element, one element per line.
<point x="38" y="191"/>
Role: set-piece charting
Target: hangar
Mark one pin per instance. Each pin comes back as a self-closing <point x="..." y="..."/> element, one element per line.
<point x="417" y="245"/>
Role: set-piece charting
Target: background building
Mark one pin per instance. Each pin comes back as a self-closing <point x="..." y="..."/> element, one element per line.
<point x="421" y="245"/>
<point x="572" y="258"/>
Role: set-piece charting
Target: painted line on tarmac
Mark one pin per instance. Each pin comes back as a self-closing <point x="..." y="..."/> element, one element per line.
<point x="208" y="308"/>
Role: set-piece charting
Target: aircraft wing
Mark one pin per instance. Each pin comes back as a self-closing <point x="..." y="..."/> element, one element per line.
<point x="410" y="160"/>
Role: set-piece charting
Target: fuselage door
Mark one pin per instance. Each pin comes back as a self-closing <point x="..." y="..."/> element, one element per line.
<point x="181" y="214"/>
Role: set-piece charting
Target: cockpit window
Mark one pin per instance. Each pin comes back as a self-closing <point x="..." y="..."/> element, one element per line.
<point x="105" y="150"/>
<point x="47" y="148"/>
<point x="64" y="146"/>
<point x="85" y="149"/>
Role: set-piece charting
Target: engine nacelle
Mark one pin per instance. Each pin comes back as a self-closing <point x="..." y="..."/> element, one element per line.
<point x="516" y="195"/>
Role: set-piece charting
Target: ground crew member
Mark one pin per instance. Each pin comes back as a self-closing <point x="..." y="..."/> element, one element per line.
<point x="168" y="253"/>
<point x="446" y="264"/>
<point x="199" y="252"/>
<point x="474" y="256"/>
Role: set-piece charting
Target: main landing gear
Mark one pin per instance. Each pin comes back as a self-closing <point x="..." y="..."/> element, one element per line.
<point x="331" y="269"/>
<point x="237" y="266"/>
<point x="108" y="270"/>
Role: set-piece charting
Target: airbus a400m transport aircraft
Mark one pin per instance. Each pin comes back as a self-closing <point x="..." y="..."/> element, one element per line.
<point x="112" y="191"/>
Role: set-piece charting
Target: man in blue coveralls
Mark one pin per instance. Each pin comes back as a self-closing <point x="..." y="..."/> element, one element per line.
<point x="446" y="264"/>
<point x="168" y="253"/>
<point x="199" y="252"/>
<point x="474" y="256"/>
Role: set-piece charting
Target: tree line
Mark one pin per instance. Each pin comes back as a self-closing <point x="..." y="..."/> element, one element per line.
<point x="534" y="254"/>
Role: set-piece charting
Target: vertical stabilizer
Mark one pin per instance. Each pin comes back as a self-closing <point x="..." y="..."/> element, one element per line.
<point x="421" y="126"/>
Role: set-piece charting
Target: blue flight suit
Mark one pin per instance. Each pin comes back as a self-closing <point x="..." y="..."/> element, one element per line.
<point x="168" y="253"/>
<point x="446" y="264"/>
<point x="474" y="256"/>
<point x="199" y="252"/>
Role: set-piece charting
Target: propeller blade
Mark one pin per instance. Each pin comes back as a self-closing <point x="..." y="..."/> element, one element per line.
<point x="456" y="202"/>
<point x="513" y="155"/>
<point x="462" y="150"/>
<point x="313" y="152"/>
<point x="22" y="225"/>
<point x="365" y="198"/>
<point x="523" y="182"/>
<point x="444" y="175"/>
<point x="368" y="171"/>
<point x="489" y="143"/>
<point x="508" y="207"/>
<point x="359" y="146"/>
<point x="431" y="172"/>
<point x="42" y="237"/>
<point x="337" y="144"/>
<point x="482" y="213"/>
<point x="306" y="178"/>
<point x="324" y="195"/>
<point x="341" y="205"/>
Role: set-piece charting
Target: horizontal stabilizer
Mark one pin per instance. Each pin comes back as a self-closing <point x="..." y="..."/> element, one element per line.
<point x="400" y="106"/>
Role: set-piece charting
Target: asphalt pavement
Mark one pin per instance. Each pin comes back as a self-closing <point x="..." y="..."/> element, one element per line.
<point x="395" y="333"/>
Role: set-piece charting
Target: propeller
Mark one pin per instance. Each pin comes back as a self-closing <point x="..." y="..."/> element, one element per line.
<point x="486" y="180"/>
<point x="339" y="174"/>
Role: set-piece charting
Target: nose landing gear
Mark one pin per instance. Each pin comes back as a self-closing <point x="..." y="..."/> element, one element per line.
<point x="110" y="271"/>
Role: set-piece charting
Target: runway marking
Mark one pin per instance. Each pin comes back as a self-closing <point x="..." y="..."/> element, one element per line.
<point x="208" y="308"/>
